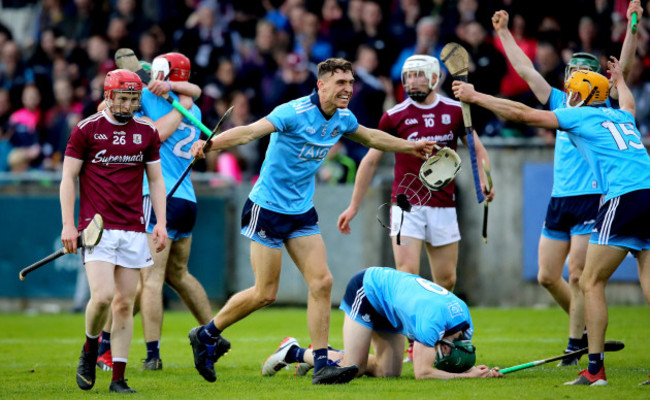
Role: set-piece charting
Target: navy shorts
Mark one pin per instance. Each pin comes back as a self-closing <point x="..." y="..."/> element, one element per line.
<point x="569" y="216"/>
<point x="181" y="217"/>
<point x="356" y="305"/>
<point x="271" y="228"/>
<point x="624" y="221"/>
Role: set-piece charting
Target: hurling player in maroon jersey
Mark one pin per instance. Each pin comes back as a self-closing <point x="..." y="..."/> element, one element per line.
<point x="425" y="114"/>
<point x="108" y="153"/>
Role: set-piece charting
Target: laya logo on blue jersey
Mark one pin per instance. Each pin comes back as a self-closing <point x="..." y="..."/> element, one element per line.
<point x="313" y="152"/>
<point x="455" y="309"/>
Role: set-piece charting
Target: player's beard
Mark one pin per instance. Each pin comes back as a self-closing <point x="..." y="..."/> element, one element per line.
<point x="123" y="118"/>
<point x="418" y="96"/>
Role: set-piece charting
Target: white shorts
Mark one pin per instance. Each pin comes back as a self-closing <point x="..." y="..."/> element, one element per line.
<point x="436" y="225"/>
<point x="124" y="248"/>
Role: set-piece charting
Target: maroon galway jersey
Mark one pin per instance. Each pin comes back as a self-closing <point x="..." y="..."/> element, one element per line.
<point x="441" y="122"/>
<point x="114" y="157"/>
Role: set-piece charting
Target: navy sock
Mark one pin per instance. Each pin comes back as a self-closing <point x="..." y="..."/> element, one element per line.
<point x="153" y="349"/>
<point x="295" y="354"/>
<point x="105" y="343"/>
<point x="209" y="333"/>
<point x="320" y="359"/>
<point x="596" y="362"/>
<point x="574" y="344"/>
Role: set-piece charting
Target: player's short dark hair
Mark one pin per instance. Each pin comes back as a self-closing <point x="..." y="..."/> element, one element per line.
<point x="331" y="65"/>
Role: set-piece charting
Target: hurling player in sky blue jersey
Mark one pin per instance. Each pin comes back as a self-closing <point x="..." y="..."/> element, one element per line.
<point x="572" y="209"/>
<point x="170" y="74"/>
<point x="280" y="209"/>
<point x="382" y="305"/>
<point x="611" y="144"/>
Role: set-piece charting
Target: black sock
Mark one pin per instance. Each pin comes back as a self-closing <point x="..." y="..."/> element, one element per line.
<point x="153" y="349"/>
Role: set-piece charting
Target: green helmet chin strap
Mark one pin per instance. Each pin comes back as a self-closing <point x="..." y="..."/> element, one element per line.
<point x="461" y="357"/>
<point x="582" y="60"/>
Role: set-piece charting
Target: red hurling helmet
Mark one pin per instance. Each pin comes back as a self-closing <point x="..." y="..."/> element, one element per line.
<point x="172" y="66"/>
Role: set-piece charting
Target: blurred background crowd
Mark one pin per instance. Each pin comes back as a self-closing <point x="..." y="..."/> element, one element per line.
<point x="255" y="55"/>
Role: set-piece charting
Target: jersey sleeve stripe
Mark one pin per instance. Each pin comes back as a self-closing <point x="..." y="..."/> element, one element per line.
<point x="399" y="107"/>
<point x="143" y="121"/>
<point x="90" y="119"/>
<point x="449" y="101"/>
<point x="306" y="109"/>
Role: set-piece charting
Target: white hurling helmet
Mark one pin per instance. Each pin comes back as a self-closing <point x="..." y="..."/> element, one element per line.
<point x="427" y="64"/>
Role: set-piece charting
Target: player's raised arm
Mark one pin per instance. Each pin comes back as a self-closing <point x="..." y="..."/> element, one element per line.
<point x="381" y="140"/>
<point x="631" y="38"/>
<point x="519" y="60"/>
<point x="626" y="99"/>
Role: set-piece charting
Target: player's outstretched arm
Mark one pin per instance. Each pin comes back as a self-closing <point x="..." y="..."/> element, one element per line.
<point x="381" y="140"/>
<point x="519" y="60"/>
<point x="234" y="137"/>
<point x="425" y="356"/>
<point x="365" y="173"/>
<point x="507" y="109"/>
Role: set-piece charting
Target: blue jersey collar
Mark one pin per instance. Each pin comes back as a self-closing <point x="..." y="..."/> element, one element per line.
<point x="315" y="100"/>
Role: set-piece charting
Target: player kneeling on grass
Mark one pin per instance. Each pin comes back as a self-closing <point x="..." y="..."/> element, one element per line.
<point x="382" y="305"/>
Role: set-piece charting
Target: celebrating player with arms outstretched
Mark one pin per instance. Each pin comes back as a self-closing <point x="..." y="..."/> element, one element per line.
<point x="573" y="207"/>
<point x="280" y="209"/>
<point x="108" y="152"/>
<point x="170" y="73"/>
<point x="424" y="115"/>
<point x="611" y="144"/>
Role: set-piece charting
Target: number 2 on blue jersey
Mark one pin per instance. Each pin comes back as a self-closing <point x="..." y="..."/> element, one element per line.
<point x="178" y="147"/>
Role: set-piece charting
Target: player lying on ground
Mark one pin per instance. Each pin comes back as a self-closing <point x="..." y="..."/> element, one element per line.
<point x="383" y="304"/>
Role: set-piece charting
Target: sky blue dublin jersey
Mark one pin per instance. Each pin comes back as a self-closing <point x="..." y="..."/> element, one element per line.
<point x="175" y="153"/>
<point x="422" y="310"/>
<point x="297" y="148"/>
<point x="571" y="173"/>
<point x="610" y="142"/>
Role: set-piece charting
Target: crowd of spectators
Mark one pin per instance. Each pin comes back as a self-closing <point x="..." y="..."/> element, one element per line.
<point x="54" y="55"/>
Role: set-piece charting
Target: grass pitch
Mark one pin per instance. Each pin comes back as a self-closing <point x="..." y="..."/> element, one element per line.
<point x="39" y="354"/>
